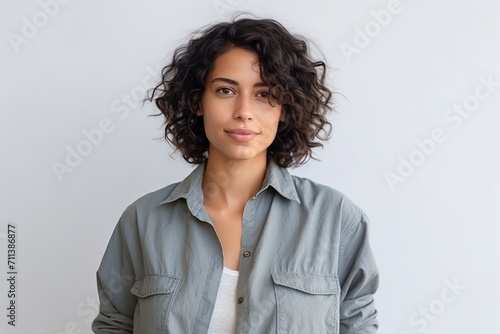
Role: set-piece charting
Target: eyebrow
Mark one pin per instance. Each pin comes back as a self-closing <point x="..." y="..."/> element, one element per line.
<point x="236" y="83"/>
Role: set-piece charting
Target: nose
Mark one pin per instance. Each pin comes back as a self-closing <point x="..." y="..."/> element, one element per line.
<point x="243" y="108"/>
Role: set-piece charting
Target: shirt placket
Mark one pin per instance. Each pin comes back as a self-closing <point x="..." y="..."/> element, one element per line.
<point x="248" y="234"/>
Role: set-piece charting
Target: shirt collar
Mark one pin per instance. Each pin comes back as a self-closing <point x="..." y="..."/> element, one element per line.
<point x="280" y="179"/>
<point x="191" y="187"/>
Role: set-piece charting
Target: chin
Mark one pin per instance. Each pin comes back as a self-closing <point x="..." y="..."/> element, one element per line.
<point x="246" y="154"/>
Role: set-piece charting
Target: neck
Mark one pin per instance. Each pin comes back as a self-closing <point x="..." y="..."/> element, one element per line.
<point x="232" y="183"/>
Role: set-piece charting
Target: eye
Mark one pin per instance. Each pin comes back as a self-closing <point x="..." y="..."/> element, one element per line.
<point x="225" y="91"/>
<point x="264" y="94"/>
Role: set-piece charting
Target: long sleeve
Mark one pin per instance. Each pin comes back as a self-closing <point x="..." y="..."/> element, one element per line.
<point x="115" y="277"/>
<point x="359" y="280"/>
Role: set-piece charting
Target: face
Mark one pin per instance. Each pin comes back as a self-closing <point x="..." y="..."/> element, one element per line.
<point x="239" y="121"/>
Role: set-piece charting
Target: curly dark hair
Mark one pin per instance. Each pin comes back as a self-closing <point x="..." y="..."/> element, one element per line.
<point x="294" y="79"/>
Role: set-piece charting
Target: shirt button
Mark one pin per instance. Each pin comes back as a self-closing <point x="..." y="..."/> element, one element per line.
<point x="240" y="300"/>
<point x="246" y="253"/>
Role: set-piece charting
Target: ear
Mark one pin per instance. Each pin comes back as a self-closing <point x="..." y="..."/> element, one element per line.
<point x="282" y="115"/>
<point x="199" y="110"/>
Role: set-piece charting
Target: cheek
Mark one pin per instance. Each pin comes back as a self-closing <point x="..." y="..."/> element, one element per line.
<point x="271" y="130"/>
<point x="274" y="122"/>
<point x="213" y="123"/>
<point x="208" y="124"/>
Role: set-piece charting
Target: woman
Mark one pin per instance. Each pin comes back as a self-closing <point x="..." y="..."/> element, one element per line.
<point x="240" y="245"/>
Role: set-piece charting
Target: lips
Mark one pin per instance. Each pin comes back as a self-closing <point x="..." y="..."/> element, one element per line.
<point x="241" y="135"/>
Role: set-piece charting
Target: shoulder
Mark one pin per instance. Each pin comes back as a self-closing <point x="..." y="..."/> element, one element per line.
<point x="329" y="200"/>
<point x="148" y="204"/>
<point x="310" y="191"/>
<point x="307" y="189"/>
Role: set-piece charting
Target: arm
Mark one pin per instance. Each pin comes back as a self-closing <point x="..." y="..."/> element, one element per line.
<point x="359" y="279"/>
<point x="115" y="277"/>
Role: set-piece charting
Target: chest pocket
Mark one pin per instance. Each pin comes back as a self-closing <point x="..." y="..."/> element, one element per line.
<point x="307" y="303"/>
<point x="155" y="296"/>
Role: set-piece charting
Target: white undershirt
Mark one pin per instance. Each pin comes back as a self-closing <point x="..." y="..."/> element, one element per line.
<point x="224" y="316"/>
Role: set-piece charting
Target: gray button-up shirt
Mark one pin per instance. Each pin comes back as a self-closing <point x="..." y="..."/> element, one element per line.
<point x="306" y="265"/>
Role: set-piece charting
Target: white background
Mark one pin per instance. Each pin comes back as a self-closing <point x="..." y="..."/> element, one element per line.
<point x="438" y="227"/>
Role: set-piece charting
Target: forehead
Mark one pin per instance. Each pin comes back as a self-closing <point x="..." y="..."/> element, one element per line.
<point x="237" y="62"/>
